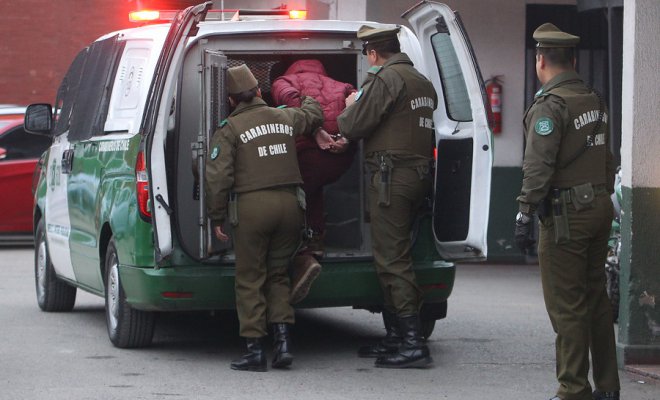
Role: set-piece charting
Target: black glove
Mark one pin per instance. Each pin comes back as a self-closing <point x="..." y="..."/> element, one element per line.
<point x="523" y="232"/>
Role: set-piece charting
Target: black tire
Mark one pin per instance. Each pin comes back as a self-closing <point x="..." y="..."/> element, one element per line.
<point x="427" y="328"/>
<point x="127" y="327"/>
<point x="53" y="294"/>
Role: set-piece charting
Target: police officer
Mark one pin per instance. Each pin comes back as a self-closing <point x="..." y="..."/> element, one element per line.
<point x="253" y="181"/>
<point x="393" y="113"/>
<point x="568" y="171"/>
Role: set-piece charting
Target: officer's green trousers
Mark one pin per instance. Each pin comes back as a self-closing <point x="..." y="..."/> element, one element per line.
<point x="573" y="278"/>
<point x="267" y="234"/>
<point x="390" y="234"/>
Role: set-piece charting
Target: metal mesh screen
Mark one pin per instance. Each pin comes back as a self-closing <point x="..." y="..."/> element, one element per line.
<point x="260" y="69"/>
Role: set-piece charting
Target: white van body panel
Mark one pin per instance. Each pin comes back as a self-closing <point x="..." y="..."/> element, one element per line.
<point x="424" y="20"/>
<point x="58" y="220"/>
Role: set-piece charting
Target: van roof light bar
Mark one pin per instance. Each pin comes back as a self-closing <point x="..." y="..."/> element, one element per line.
<point x="159" y="16"/>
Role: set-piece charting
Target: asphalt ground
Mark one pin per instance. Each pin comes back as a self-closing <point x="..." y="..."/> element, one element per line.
<point x="496" y="343"/>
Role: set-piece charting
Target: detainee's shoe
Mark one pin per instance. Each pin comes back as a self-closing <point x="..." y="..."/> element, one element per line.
<point x="314" y="246"/>
<point x="304" y="271"/>
<point x="598" y="395"/>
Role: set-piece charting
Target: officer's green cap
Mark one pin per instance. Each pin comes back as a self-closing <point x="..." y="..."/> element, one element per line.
<point x="240" y="79"/>
<point x="369" y="34"/>
<point x="548" y="35"/>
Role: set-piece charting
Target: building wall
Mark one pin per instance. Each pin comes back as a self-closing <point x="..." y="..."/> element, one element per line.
<point x="41" y="38"/>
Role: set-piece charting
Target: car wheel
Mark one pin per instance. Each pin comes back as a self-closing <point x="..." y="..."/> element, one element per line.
<point x="53" y="294"/>
<point x="127" y="327"/>
<point x="427" y="327"/>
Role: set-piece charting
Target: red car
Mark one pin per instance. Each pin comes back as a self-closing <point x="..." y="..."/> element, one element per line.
<point x="19" y="154"/>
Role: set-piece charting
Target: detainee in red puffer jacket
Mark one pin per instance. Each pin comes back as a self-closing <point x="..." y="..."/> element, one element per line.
<point x="318" y="167"/>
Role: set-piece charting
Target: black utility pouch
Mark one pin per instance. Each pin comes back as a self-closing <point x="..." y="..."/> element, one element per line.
<point x="559" y="217"/>
<point x="232" y="209"/>
<point x="582" y="197"/>
<point x="302" y="200"/>
<point x="384" y="181"/>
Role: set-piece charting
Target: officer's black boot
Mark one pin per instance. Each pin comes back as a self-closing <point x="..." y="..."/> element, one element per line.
<point x="254" y="359"/>
<point x="598" y="395"/>
<point x="387" y="345"/>
<point x="282" y="356"/>
<point x="413" y="352"/>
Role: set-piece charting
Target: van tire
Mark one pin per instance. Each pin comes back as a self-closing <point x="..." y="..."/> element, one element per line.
<point x="427" y="328"/>
<point x="53" y="294"/>
<point x="127" y="327"/>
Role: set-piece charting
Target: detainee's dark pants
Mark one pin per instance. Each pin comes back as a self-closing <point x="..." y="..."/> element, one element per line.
<point x="573" y="278"/>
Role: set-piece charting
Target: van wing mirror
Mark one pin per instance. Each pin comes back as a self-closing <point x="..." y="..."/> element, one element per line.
<point x="39" y="119"/>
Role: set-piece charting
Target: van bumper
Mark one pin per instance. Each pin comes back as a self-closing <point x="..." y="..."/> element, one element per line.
<point x="340" y="284"/>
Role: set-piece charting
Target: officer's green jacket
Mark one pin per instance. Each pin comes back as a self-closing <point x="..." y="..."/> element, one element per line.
<point x="255" y="149"/>
<point x="393" y="112"/>
<point x="562" y="148"/>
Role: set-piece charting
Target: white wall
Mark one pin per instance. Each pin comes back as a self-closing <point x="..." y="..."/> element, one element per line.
<point x="640" y="142"/>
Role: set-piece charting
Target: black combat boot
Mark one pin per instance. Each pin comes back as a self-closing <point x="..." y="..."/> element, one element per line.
<point x="387" y="345"/>
<point x="254" y="360"/>
<point x="282" y="356"/>
<point x="598" y="395"/>
<point x="413" y="352"/>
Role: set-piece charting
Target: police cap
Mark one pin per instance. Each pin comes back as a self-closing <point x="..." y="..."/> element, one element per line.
<point x="548" y="35"/>
<point x="369" y="35"/>
<point x="240" y="79"/>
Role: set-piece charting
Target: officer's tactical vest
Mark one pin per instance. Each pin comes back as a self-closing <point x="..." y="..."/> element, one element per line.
<point x="265" y="150"/>
<point x="575" y="164"/>
<point x="409" y="125"/>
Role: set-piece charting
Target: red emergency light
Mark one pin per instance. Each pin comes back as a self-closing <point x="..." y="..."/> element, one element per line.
<point x="152" y="16"/>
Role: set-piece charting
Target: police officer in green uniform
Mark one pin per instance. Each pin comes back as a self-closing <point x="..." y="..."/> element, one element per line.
<point x="393" y="113"/>
<point x="252" y="180"/>
<point x="568" y="171"/>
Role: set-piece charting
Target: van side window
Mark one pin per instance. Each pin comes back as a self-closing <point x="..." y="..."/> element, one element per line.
<point x="67" y="92"/>
<point x="457" y="100"/>
<point x="93" y="96"/>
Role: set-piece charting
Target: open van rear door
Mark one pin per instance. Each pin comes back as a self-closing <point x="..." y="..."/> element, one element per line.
<point x="154" y="124"/>
<point x="463" y="137"/>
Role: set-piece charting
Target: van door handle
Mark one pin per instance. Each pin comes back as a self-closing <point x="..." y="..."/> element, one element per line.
<point x="67" y="161"/>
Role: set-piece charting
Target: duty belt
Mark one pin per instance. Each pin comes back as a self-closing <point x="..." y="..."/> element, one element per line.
<point x="567" y="193"/>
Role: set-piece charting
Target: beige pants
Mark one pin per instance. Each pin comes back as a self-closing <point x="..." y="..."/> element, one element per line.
<point x="390" y="234"/>
<point x="268" y="232"/>
<point x="573" y="278"/>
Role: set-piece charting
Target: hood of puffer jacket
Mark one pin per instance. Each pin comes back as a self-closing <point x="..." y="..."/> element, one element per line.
<point x="300" y="66"/>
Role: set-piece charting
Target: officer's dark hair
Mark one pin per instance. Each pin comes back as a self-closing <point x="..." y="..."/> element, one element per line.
<point x="558" y="56"/>
<point x="245" y="96"/>
<point x="385" y="49"/>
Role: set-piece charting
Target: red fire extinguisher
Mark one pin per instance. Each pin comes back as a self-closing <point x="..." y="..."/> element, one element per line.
<point x="494" y="90"/>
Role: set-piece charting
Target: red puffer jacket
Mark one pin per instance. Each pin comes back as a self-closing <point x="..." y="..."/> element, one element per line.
<point x="308" y="78"/>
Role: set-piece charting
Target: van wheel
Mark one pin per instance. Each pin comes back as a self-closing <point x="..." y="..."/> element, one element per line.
<point x="53" y="294"/>
<point x="427" y="327"/>
<point x="127" y="327"/>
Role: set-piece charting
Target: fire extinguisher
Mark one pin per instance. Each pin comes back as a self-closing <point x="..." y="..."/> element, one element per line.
<point x="494" y="91"/>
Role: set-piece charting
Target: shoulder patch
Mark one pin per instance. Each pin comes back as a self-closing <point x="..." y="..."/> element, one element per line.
<point x="223" y="123"/>
<point x="375" y="69"/>
<point x="543" y="126"/>
<point x="215" y="152"/>
<point x="282" y="106"/>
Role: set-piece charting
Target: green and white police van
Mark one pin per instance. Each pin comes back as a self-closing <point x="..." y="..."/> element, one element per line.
<point x="119" y="211"/>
